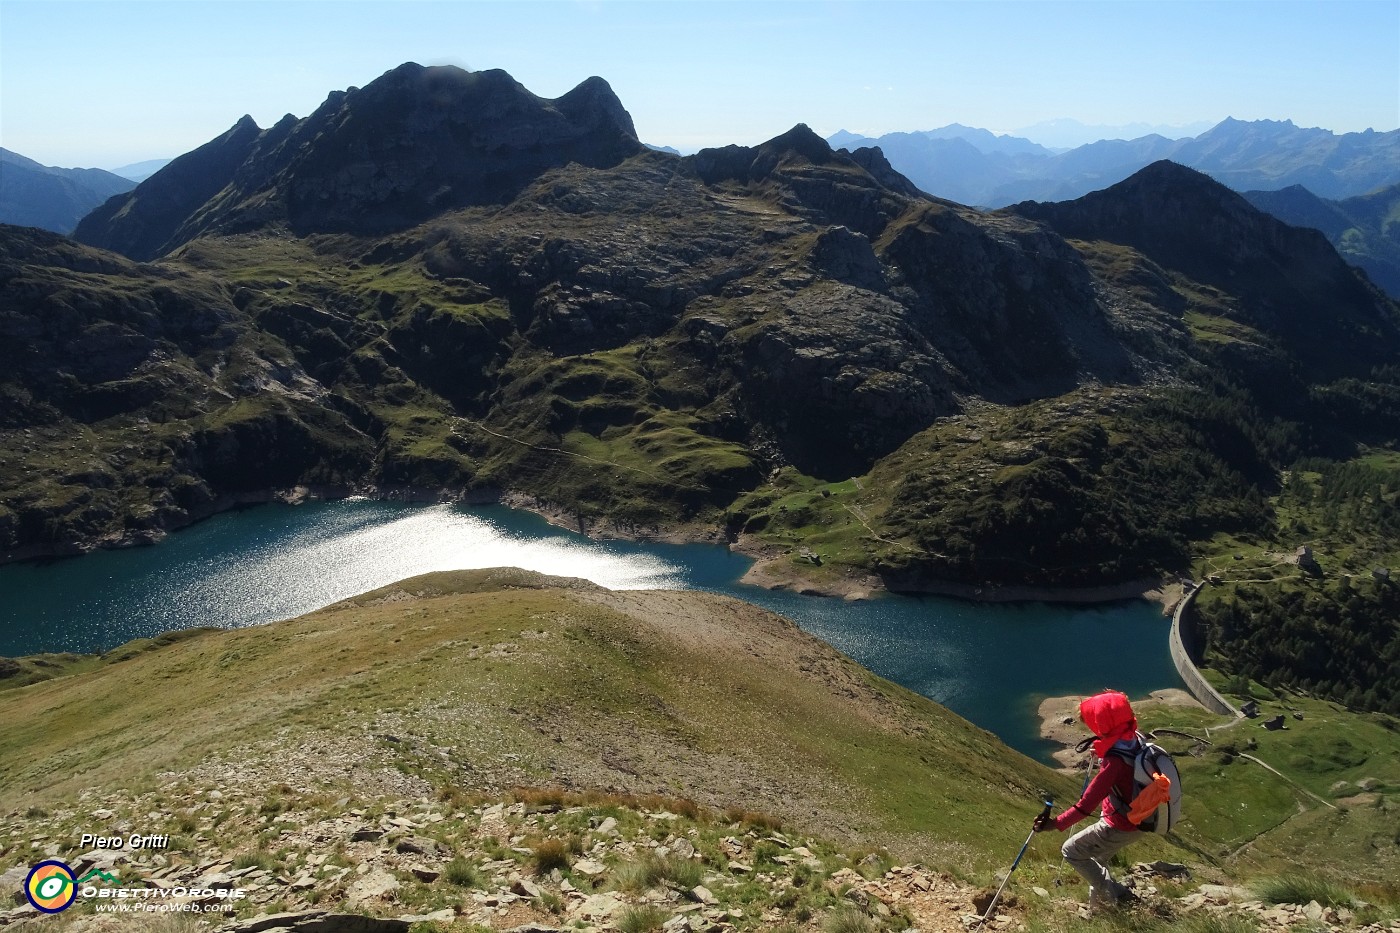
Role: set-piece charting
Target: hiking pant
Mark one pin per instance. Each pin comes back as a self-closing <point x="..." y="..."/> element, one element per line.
<point x="1088" y="851"/>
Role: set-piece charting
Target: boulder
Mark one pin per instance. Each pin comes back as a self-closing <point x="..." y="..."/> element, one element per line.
<point x="375" y="884"/>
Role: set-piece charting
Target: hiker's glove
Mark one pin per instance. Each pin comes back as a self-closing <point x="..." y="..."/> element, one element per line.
<point x="1043" y="824"/>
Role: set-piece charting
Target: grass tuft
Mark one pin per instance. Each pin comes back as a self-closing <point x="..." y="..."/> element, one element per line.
<point x="649" y="871"/>
<point x="751" y="818"/>
<point x="641" y="919"/>
<point x="259" y="859"/>
<point x="549" y="855"/>
<point x="1301" y="889"/>
<point x="462" y="873"/>
<point x="849" y="920"/>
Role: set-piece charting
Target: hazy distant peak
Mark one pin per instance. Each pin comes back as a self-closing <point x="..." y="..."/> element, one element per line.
<point x="843" y="139"/>
<point x="14" y="158"/>
<point x="1231" y="121"/>
<point x="36" y="195"/>
<point x="1068" y="133"/>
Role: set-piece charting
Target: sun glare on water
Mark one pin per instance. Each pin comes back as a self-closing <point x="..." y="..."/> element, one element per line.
<point x="325" y="568"/>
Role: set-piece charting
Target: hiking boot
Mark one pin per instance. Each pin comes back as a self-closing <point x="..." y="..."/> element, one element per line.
<point x="1109" y="898"/>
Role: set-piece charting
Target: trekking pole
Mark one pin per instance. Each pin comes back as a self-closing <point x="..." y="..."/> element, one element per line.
<point x="1044" y="815"/>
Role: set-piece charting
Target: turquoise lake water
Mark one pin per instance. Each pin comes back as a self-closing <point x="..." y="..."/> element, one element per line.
<point x="991" y="663"/>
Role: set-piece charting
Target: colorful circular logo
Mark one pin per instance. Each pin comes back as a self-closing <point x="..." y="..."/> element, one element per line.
<point x="50" y="886"/>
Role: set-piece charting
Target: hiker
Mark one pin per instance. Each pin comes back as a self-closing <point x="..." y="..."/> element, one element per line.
<point x="1110" y="717"/>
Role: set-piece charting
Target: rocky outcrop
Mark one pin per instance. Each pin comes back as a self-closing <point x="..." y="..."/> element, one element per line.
<point x="184" y="404"/>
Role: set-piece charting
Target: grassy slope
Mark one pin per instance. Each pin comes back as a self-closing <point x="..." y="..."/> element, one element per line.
<point x="685" y="694"/>
<point x="1256" y="822"/>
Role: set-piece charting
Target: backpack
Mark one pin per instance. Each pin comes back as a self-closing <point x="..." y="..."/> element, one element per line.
<point x="1155" y="808"/>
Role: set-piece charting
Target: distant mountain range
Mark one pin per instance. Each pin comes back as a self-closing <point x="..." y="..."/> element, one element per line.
<point x="34" y="195"/>
<point x="1364" y="229"/>
<point x="974" y="166"/>
<point x="1065" y="133"/>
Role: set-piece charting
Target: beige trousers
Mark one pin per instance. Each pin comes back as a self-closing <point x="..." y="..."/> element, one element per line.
<point x="1088" y="851"/>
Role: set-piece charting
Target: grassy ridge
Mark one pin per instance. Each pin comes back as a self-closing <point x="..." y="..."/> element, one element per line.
<point x="681" y="693"/>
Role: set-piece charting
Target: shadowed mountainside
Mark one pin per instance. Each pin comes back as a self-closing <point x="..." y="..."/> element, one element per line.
<point x="34" y="195"/>
<point x="1363" y="229"/>
<point x="1282" y="275"/>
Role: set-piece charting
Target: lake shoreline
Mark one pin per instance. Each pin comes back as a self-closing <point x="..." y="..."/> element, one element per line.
<point x="255" y="565"/>
<point x="771" y="569"/>
<point x="228" y="502"/>
<point x="1060" y="725"/>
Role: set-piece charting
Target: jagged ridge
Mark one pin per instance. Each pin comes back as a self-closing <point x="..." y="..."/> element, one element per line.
<point x="409" y="145"/>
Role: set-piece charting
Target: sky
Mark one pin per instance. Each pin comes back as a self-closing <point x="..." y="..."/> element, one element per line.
<point x="106" y="84"/>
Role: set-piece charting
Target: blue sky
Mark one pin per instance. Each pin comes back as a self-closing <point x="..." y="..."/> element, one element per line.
<point x="109" y="83"/>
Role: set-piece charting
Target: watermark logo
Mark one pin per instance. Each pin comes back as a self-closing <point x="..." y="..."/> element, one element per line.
<point x="50" y="886"/>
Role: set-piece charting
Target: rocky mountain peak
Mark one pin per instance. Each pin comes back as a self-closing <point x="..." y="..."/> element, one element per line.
<point x="802" y="141"/>
<point x="1165" y="207"/>
<point x="1298" y="287"/>
<point x="872" y="159"/>
<point x="594" y="101"/>
<point x="412" y="144"/>
<point x="745" y="163"/>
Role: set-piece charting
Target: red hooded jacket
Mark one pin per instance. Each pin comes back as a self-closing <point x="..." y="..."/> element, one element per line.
<point x="1111" y="718"/>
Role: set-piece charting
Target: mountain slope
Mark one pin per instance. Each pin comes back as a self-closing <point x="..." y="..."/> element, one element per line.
<point x="176" y="399"/>
<point x="1291" y="282"/>
<point x="34" y="195"/>
<point x="1362" y="228"/>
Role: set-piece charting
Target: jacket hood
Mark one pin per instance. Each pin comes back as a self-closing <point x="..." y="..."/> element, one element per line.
<point x="1110" y="716"/>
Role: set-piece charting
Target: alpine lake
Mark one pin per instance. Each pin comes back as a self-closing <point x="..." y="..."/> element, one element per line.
<point x="990" y="662"/>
